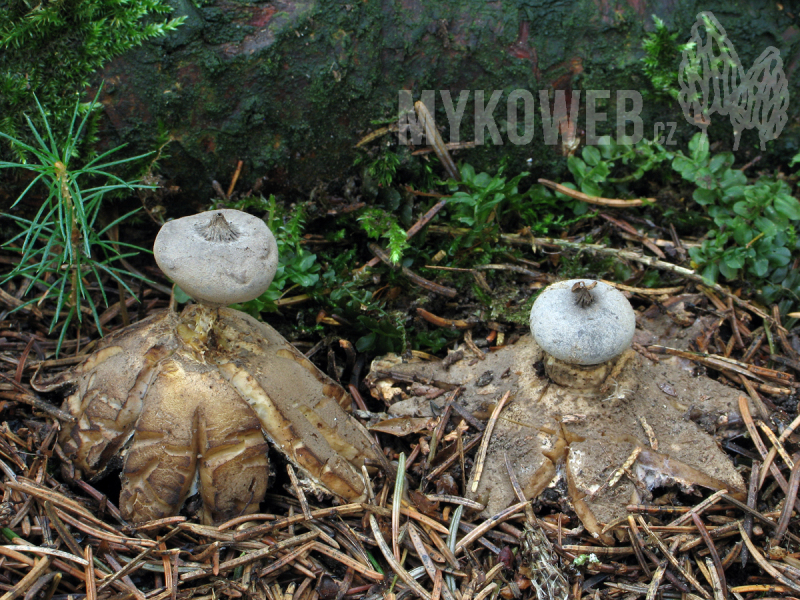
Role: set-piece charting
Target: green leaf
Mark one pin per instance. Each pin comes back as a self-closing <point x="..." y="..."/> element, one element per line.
<point x="732" y="177"/>
<point x="727" y="271"/>
<point x="698" y="146"/>
<point x="591" y="155"/>
<point x="710" y="273"/>
<point x="599" y="173"/>
<point x="366" y="342"/>
<point x="780" y="257"/>
<point x="766" y="226"/>
<point x="788" y="206"/>
<point x="577" y="167"/>
<point x="733" y="260"/>
<point x="720" y="162"/>
<point x="306" y="262"/>
<point x="181" y="297"/>
<point x="703" y="196"/>
<point x="590" y="188"/>
<point x="743" y="208"/>
<point x="733" y="193"/>
<point x="760" y="267"/>
<point x="685" y="167"/>
<point x="705" y="178"/>
<point x="467" y="172"/>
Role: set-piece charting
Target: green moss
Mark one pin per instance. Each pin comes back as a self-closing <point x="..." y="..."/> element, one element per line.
<point x="50" y="49"/>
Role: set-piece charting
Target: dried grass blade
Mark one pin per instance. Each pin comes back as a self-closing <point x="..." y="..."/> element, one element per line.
<point x="435" y="140"/>
<point x="399" y="484"/>
<point x="616" y="202"/>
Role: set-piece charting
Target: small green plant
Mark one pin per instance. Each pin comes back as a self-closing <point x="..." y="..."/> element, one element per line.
<point x="582" y="559"/>
<point x="755" y="234"/>
<point x="378" y="223"/>
<point x="593" y="169"/>
<point x="750" y="227"/>
<point x="297" y="267"/>
<point x="382" y="169"/>
<point x="488" y="204"/>
<point x="662" y="55"/>
<point x="51" y="48"/>
<point x="63" y="246"/>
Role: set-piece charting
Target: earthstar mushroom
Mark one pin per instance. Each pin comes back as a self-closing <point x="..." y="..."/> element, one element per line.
<point x="190" y="400"/>
<point x="583" y="327"/>
<point x="567" y="429"/>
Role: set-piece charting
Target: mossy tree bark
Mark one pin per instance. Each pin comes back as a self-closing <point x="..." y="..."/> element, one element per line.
<point x="289" y="87"/>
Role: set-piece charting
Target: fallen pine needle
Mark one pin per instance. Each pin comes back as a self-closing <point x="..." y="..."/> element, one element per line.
<point x="489" y="524"/>
<point x="615" y="202"/>
<point x="26" y="582"/>
<point x="348" y="562"/>
<point x="480" y="461"/>
<point x="763" y="563"/>
<point x="396" y="566"/>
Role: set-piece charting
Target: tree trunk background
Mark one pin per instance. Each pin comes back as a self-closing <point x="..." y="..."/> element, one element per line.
<point x="289" y="87"/>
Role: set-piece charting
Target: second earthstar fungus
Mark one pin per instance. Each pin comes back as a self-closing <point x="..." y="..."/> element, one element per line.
<point x="604" y="433"/>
